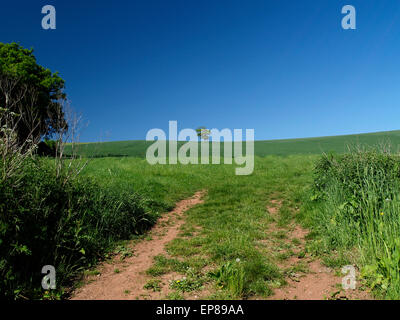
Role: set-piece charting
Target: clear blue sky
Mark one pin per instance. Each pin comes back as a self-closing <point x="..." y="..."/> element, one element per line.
<point x="285" y="68"/>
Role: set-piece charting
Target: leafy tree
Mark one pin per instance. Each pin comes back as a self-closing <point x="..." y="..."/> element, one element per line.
<point x="203" y="133"/>
<point x="32" y="91"/>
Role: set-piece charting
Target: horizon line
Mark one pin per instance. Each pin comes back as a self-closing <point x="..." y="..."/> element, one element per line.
<point x="265" y="140"/>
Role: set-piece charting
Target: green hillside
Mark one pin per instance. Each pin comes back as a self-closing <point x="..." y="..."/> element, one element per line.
<point x="339" y="144"/>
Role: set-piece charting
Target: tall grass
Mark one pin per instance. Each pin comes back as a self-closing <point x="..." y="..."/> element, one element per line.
<point x="46" y="219"/>
<point x="356" y="204"/>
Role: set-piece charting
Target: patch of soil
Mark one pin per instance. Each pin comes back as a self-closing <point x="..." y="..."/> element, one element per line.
<point x="275" y="206"/>
<point x="318" y="282"/>
<point x="129" y="281"/>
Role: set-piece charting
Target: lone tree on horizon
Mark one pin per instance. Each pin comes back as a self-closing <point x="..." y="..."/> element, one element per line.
<point x="203" y="133"/>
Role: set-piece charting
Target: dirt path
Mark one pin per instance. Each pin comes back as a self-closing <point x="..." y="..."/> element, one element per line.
<point x="307" y="277"/>
<point x="125" y="279"/>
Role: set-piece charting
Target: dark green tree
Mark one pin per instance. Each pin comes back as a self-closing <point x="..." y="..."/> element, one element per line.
<point x="32" y="91"/>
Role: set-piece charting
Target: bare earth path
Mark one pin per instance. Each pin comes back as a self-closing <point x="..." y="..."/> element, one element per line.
<point x="128" y="282"/>
<point x="307" y="278"/>
<point x="313" y="281"/>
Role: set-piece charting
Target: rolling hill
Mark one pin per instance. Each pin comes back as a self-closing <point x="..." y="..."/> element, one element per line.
<point x="339" y="144"/>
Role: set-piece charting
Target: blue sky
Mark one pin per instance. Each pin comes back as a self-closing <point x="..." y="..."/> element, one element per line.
<point x="284" y="68"/>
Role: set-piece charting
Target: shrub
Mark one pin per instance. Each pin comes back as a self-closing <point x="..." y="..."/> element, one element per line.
<point x="357" y="204"/>
<point x="46" y="219"/>
<point x="47" y="148"/>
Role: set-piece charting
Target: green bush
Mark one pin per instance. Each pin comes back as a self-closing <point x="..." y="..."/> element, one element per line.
<point x="349" y="171"/>
<point x="47" y="219"/>
<point x="356" y="204"/>
<point x="47" y="148"/>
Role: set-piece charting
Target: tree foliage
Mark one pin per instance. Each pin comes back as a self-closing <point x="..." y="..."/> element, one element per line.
<point x="32" y="91"/>
<point x="203" y="133"/>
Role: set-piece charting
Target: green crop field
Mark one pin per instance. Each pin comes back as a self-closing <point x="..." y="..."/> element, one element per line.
<point x="339" y="144"/>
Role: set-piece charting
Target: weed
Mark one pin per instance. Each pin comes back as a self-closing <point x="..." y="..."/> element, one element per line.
<point x="163" y="265"/>
<point x="187" y="284"/>
<point x="124" y="252"/>
<point x="153" y="284"/>
<point x="91" y="272"/>
<point x="175" y="296"/>
<point x="296" y="241"/>
<point x="231" y="276"/>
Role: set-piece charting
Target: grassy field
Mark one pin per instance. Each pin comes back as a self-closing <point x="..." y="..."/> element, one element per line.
<point x="232" y="221"/>
<point x="339" y="144"/>
<point x="229" y="244"/>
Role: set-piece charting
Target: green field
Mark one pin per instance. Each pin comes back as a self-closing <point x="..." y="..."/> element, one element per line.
<point x="339" y="144"/>
<point x="234" y="219"/>
<point x="232" y="244"/>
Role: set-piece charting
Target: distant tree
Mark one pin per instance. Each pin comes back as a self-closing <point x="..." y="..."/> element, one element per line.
<point x="198" y="130"/>
<point x="32" y="91"/>
<point x="203" y="133"/>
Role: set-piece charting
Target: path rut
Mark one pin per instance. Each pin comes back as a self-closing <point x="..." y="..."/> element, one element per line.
<point x="319" y="282"/>
<point x="131" y="277"/>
